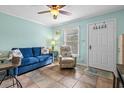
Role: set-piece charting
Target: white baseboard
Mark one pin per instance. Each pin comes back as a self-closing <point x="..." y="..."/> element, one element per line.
<point x="84" y="64"/>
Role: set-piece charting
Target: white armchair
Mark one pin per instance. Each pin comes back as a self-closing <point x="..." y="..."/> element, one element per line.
<point x="66" y="58"/>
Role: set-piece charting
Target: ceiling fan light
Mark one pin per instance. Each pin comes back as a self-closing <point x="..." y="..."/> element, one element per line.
<point x="54" y="12"/>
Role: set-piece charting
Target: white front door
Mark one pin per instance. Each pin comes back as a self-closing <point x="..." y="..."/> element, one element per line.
<point x="102" y="45"/>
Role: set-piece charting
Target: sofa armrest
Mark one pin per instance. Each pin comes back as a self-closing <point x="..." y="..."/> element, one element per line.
<point x="75" y="58"/>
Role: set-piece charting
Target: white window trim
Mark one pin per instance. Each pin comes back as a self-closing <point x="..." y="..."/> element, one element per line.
<point x="78" y="28"/>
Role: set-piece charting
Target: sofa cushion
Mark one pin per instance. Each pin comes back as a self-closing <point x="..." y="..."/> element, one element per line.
<point x="36" y="51"/>
<point x="29" y="60"/>
<point x="26" y="52"/>
<point x="43" y="57"/>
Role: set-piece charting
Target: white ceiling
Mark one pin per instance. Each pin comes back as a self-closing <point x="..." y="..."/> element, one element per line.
<point x="29" y="12"/>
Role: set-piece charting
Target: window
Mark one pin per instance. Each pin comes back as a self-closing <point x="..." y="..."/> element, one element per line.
<point x="71" y="38"/>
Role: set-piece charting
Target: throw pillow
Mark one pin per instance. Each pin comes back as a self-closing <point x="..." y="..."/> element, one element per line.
<point x="15" y="53"/>
<point x="44" y="50"/>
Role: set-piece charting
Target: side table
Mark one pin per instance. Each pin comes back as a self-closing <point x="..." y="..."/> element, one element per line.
<point x="55" y="53"/>
<point x="2" y="59"/>
<point x="120" y="71"/>
<point x="6" y="66"/>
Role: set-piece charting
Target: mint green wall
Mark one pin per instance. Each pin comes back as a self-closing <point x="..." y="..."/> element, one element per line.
<point x="17" y="32"/>
<point x="119" y="16"/>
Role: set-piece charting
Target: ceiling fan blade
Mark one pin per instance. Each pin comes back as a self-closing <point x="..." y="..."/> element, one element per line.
<point x="54" y="17"/>
<point x="42" y="12"/>
<point x="61" y="6"/>
<point x="58" y="6"/>
<point x="64" y="12"/>
<point x="49" y="6"/>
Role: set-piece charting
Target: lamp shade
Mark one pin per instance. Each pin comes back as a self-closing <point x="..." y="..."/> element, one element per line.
<point x="53" y="42"/>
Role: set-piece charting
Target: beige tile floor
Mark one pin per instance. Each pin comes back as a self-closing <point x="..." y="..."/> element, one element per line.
<point x="52" y="76"/>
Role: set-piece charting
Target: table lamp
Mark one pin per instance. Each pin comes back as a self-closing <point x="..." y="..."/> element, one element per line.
<point x="53" y="43"/>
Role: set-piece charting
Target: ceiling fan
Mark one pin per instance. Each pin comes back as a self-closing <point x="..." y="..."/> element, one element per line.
<point x="55" y="10"/>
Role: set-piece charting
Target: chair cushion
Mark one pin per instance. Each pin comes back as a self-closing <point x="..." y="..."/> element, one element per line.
<point x="36" y="51"/>
<point x="43" y="57"/>
<point x="26" y="52"/>
<point x="65" y="51"/>
<point x="29" y="60"/>
<point x="68" y="58"/>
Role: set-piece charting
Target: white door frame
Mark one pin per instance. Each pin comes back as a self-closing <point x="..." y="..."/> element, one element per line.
<point x="115" y="45"/>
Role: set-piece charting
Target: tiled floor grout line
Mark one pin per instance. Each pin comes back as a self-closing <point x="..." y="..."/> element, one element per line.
<point x="62" y="78"/>
<point x="56" y="80"/>
<point x="75" y="83"/>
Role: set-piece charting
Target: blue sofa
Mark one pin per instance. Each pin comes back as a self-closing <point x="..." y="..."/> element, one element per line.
<point x="32" y="59"/>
